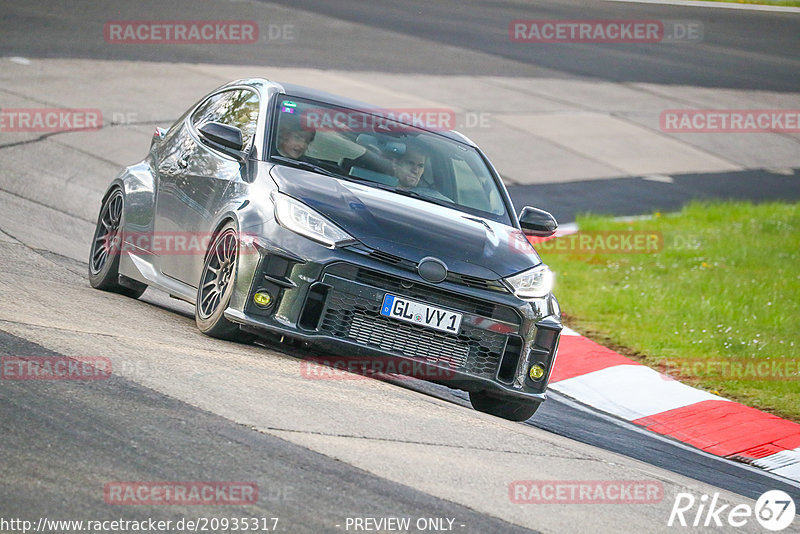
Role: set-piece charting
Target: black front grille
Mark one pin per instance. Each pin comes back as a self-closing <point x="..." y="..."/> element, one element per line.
<point x="353" y="312"/>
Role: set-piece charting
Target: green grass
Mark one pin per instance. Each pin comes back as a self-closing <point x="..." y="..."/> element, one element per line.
<point x="723" y="290"/>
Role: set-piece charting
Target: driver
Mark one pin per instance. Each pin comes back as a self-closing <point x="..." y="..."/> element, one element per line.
<point x="409" y="168"/>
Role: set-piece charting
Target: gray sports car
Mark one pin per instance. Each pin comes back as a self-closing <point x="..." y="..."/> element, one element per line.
<point x="285" y="212"/>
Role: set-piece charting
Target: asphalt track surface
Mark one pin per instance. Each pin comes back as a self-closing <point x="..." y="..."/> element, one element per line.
<point x="739" y="50"/>
<point x="733" y="52"/>
<point x="637" y="195"/>
<point x="62" y="441"/>
<point x="88" y="433"/>
<point x="744" y="50"/>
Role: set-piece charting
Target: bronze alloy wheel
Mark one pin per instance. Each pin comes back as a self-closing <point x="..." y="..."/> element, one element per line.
<point x="216" y="286"/>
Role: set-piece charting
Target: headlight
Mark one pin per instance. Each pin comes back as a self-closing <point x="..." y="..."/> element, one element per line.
<point x="533" y="283"/>
<point x="301" y="219"/>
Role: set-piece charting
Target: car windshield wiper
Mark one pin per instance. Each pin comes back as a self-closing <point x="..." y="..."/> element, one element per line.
<point x="304" y="165"/>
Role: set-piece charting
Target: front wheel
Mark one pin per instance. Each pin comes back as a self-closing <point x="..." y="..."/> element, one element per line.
<point x="216" y="287"/>
<point x="106" y="248"/>
<point x="512" y="410"/>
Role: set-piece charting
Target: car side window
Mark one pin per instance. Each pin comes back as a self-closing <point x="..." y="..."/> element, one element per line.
<point x="238" y="107"/>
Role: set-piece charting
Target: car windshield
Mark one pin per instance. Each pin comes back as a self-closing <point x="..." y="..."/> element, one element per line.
<point x="378" y="150"/>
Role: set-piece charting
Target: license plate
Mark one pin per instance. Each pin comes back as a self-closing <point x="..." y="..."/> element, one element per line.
<point x="420" y="313"/>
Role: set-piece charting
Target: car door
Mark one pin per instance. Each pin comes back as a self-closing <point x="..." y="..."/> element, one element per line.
<point x="194" y="179"/>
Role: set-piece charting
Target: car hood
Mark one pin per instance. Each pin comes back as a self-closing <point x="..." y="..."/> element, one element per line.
<point x="411" y="228"/>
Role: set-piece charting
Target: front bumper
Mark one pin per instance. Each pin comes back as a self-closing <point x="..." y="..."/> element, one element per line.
<point x="334" y="302"/>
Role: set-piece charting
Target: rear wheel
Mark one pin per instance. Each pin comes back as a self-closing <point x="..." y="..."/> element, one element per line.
<point x="507" y="409"/>
<point x="106" y="247"/>
<point x="216" y="287"/>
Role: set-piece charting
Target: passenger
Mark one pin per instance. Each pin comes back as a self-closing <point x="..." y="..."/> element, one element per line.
<point x="293" y="138"/>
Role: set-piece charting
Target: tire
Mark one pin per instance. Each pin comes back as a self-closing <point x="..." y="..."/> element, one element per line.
<point x="216" y="287"/>
<point x="507" y="409"/>
<point x="105" y="250"/>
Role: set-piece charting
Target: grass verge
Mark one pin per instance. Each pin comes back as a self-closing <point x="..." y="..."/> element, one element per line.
<point x="715" y="303"/>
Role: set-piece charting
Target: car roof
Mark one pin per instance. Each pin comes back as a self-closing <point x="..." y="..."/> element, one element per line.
<point x="336" y="100"/>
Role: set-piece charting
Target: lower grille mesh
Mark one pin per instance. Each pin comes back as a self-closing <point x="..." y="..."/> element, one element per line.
<point x="352" y="311"/>
<point x="408" y="340"/>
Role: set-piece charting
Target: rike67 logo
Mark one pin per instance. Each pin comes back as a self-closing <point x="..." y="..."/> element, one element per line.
<point x="774" y="510"/>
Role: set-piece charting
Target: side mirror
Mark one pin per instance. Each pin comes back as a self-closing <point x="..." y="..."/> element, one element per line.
<point x="227" y="139"/>
<point x="537" y="222"/>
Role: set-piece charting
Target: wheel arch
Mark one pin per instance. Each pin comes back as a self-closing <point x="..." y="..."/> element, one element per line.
<point x="223" y="220"/>
<point x="138" y="190"/>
